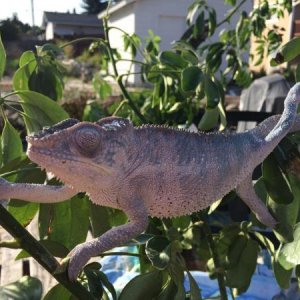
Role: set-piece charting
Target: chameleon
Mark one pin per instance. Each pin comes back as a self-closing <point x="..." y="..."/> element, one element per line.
<point x="149" y="171"/>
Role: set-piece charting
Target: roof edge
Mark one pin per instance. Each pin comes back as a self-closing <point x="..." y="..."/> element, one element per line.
<point x="115" y="8"/>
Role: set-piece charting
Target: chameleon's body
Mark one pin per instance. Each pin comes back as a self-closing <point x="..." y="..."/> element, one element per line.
<point x="149" y="171"/>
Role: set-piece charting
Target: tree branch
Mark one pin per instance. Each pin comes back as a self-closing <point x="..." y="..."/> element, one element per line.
<point x="40" y="254"/>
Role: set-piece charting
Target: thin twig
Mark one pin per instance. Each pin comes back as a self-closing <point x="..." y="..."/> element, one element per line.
<point x="231" y="13"/>
<point x="120" y="253"/>
<point x="118" y="78"/>
<point x="215" y="257"/>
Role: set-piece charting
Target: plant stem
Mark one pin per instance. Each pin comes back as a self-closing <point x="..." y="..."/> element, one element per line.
<point x="11" y="244"/>
<point x="231" y="13"/>
<point x="40" y="254"/>
<point x="120" y="253"/>
<point x="215" y="256"/>
<point x="88" y="38"/>
<point x="132" y="40"/>
<point x="119" y="78"/>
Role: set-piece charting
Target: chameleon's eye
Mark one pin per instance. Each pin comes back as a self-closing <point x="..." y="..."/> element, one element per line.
<point x="88" y="140"/>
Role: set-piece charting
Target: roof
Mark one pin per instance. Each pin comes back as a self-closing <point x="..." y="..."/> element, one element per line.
<point x="71" y="19"/>
<point x="115" y="7"/>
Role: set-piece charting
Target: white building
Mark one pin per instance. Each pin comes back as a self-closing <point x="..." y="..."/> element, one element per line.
<point x="70" y="25"/>
<point x="166" y="18"/>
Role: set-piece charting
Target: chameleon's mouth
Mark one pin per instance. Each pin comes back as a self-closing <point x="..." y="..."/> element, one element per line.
<point x="47" y="131"/>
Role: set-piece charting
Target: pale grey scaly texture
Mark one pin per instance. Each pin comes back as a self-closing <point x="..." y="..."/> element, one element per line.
<point x="150" y="170"/>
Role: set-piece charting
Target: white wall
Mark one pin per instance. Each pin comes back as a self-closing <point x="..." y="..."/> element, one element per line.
<point x="49" y="32"/>
<point x="166" y="18"/>
<point x="124" y="19"/>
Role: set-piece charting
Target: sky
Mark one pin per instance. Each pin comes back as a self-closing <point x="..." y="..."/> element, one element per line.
<point x="23" y="8"/>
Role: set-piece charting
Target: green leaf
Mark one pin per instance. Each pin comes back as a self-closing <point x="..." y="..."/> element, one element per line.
<point x="21" y="163"/>
<point x="49" y="49"/>
<point x="26" y="57"/>
<point x="100" y="219"/>
<point x="212" y="92"/>
<point x="40" y="111"/>
<point x="68" y="221"/>
<point x="275" y="181"/>
<point x="58" y="292"/>
<point x="94" y="283"/>
<point x="108" y="285"/>
<point x="46" y="80"/>
<point x="182" y="222"/>
<point x="2" y="58"/>
<point x="145" y="286"/>
<point x="56" y="249"/>
<point x="191" y="78"/>
<point x="175" y="107"/>
<point x="199" y="26"/>
<point x="117" y="217"/>
<point x="286" y="52"/>
<point x="240" y="275"/>
<point x="210" y="119"/>
<point x="285" y="214"/>
<point x="173" y="59"/>
<point x="169" y="290"/>
<point x="176" y="272"/>
<point x="236" y="250"/>
<point x="282" y="275"/>
<point x="23" y="211"/>
<point x="101" y="86"/>
<point x="11" y="143"/>
<point x="26" y="288"/>
<point x="158" y="252"/>
<point x="22" y="75"/>
<point x="289" y="255"/>
<point x="190" y="57"/>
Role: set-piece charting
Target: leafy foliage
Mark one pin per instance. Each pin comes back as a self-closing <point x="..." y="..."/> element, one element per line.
<point x="26" y="288"/>
<point x="184" y="79"/>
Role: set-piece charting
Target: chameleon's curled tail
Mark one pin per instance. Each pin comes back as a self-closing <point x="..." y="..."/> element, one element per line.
<point x="288" y="117"/>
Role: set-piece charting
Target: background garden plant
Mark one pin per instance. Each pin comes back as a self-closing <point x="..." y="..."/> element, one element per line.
<point x="183" y="79"/>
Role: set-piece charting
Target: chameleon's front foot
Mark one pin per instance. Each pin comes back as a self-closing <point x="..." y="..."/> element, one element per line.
<point x="78" y="257"/>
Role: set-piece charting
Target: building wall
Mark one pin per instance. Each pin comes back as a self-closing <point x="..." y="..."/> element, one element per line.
<point x="125" y="20"/>
<point x="166" y="18"/>
<point x="49" y="32"/>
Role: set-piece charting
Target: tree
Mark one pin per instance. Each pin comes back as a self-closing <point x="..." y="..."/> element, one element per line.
<point x="94" y="6"/>
<point x="12" y="28"/>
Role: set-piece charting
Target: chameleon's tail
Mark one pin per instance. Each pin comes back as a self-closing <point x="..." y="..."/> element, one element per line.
<point x="288" y="117"/>
<point x="263" y="129"/>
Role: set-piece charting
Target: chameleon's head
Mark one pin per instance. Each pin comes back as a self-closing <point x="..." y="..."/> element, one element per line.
<point x="79" y="152"/>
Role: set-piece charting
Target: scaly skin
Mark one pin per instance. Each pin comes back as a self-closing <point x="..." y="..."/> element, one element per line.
<point x="149" y="171"/>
